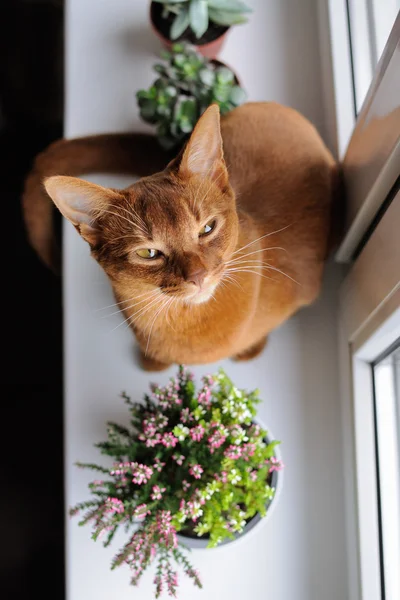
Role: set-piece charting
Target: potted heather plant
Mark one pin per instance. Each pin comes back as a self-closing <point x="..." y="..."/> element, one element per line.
<point x="186" y="85"/>
<point x="203" y="23"/>
<point x="192" y="466"/>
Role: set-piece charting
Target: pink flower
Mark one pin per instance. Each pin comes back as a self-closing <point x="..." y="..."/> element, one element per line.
<point x="253" y="475"/>
<point x="158" y="465"/>
<point x="141" y="473"/>
<point x="179" y="458"/>
<point x="196" y="433"/>
<point x="157" y="492"/>
<point x="153" y="441"/>
<point x="185" y="485"/>
<point x="276" y="465"/>
<point x="140" y="511"/>
<point x="196" y="471"/>
<point x="185" y="415"/>
<point x="248" y="450"/>
<point x="114" y="506"/>
<point x="165" y="529"/>
<point x="233" y="452"/>
<point x="216" y="440"/>
<point x="205" y="397"/>
<point x="169" y="440"/>
<point x="122" y="482"/>
<point x="224" y="476"/>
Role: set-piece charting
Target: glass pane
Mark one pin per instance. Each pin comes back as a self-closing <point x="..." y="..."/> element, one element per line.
<point x="383" y="16"/>
<point x="387" y="407"/>
<point x="370" y="24"/>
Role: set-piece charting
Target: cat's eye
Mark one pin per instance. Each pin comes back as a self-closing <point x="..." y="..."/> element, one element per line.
<point x="208" y="228"/>
<point x="149" y="253"/>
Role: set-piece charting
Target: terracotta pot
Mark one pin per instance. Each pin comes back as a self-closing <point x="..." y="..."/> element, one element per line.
<point x="209" y="50"/>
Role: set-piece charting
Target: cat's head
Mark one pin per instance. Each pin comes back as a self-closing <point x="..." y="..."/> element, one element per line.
<point x="172" y="231"/>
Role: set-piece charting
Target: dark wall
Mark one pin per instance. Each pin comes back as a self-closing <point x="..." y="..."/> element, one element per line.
<point x="31" y="493"/>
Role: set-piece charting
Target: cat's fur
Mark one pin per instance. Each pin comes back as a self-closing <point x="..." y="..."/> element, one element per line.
<point x="269" y="190"/>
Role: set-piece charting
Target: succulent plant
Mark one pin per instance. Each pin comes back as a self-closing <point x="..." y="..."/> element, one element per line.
<point x="197" y="14"/>
<point x="187" y="84"/>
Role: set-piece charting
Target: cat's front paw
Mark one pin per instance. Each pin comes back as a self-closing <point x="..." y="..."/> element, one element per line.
<point x="151" y="364"/>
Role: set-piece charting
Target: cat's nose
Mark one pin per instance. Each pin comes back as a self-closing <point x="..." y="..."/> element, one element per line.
<point x="197" y="276"/>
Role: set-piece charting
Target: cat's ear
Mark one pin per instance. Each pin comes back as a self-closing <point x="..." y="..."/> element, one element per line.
<point x="81" y="202"/>
<point x="204" y="154"/>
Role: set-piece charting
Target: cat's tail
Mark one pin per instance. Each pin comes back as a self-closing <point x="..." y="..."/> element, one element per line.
<point x="132" y="153"/>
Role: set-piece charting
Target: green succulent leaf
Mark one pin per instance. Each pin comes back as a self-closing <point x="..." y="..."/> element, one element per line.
<point x="171" y="1"/>
<point x="170" y="90"/>
<point x="225" y="18"/>
<point x="180" y="24"/>
<point x="176" y="48"/>
<point x="237" y="95"/>
<point x="230" y="6"/>
<point x="142" y="94"/>
<point x="225" y="107"/>
<point x="186" y="85"/>
<point x="207" y="77"/>
<point x="198" y="12"/>
<point x="148" y="110"/>
<point x="221" y="92"/>
<point x="224" y="75"/>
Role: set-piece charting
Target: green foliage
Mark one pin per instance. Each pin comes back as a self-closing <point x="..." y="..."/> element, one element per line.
<point x="191" y="461"/>
<point x="186" y="85"/>
<point x="197" y="14"/>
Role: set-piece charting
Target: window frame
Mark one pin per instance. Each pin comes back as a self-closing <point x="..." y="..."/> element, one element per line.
<point x="369" y="322"/>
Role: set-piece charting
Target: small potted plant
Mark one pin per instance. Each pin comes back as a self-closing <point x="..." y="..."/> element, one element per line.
<point x="194" y="466"/>
<point x="186" y="85"/>
<point x="204" y="23"/>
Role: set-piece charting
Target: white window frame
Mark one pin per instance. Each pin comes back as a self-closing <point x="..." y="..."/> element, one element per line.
<point x="356" y="30"/>
<point x="369" y="323"/>
<point x="369" y="306"/>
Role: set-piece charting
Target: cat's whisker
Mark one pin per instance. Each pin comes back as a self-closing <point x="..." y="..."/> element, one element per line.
<point x="232" y="280"/>
<point x="271" y="268"/>
<point x="128" y="319"/>
<point x="125" y="301"/>
<point x="119" y="216"/>
<point x="255" y="273"/>
<point x="147" y="298"/>
<point x="261" y="238"/>
<point x="229" y="262"/>
<point x="264" y="265"/>
<point x="163" y="306"/>
<point x="138" y="221"/>
<point x="145" y="309"/>
<point x="174" y="300"/>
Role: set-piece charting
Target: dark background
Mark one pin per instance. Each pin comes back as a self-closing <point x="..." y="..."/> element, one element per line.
<point x="31" y="492"/>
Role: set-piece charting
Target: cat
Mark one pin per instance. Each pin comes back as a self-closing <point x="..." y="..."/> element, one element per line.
<point x="218" y="248"/>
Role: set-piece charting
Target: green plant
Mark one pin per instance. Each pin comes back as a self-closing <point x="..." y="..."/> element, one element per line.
<point x="187" y="84"/>
<point x="196" y="14"/>
<point x="191" y="461"/>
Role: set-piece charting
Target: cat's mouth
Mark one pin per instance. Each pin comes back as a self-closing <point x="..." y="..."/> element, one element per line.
<point x="202" y="294"/>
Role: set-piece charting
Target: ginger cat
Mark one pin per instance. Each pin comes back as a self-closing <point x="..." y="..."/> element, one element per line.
<point x="209" y="255"/>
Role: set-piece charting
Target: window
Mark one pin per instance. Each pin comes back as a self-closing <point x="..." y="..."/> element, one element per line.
<point x="370" y="23"/>
<point x="386" y="378"/>
<point x="358" y="33"/>
<point x="369" y="323"/>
